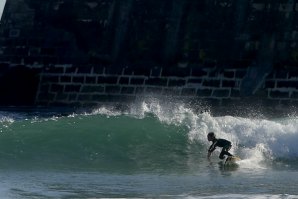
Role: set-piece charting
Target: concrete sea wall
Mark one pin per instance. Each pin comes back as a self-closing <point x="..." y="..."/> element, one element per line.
<point x="78" y="53"/>
<point x="91" y="86"/>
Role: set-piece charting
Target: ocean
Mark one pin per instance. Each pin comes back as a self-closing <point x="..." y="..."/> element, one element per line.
<point x="150" y="150"/>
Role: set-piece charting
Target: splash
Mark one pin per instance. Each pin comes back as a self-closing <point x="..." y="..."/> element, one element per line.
<point x="105" y="111"/>
<point x="252" y="138"/>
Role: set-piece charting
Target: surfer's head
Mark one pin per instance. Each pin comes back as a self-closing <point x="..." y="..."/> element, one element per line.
<point x="211" y="136"/>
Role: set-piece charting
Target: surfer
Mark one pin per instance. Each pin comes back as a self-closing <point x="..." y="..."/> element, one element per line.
<point x="225" y="144"/>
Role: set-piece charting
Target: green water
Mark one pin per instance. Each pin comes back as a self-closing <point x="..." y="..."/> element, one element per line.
<point x="94" y="142"/>
<point x="149" y="151"/>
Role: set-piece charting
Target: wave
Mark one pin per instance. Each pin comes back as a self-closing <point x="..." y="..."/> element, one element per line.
<point x="275" y="138"/>
<point x="148" y="136"/>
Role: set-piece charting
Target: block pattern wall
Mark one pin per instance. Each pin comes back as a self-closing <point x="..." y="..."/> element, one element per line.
<point x="86" y="52"/>
<point x="90" y="86"/>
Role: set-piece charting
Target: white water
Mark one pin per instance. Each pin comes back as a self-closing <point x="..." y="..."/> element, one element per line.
<point x="255" y="140"/>
<point x="2" y="3"/>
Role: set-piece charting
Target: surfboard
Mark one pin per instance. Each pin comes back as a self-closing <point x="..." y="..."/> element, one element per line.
<point x="232" y="161"/>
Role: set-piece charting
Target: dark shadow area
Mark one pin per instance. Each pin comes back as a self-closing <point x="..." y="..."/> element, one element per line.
<point x="18" y="86"/>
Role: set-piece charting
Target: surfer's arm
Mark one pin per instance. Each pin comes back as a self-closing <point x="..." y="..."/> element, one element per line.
<point x="210" y="150"/>
<point x="209" y="154"/>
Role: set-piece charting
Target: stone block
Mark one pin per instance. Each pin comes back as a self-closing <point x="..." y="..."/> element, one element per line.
<point x="23" y="51"/>
<point x="294" y="95"/>
<point x="46" y="96"/>
<point x="213" y="74"/>
<point x="270" y="75"/>
<point x="156" y="81"/>
<point x="127" y="90"/>
<point x="89" y="104"/>
<point x="98" y="70"/>
<point x="84" y="97"/>
<point x="50" y="79"/>
<point x="211" y="83"/>
<point x="49" y="60"/>
<point x="137" y="81"/>
<point x="4" y="67"/>
<point x="107" y="80"/>
<point x="212" y="102"/>
<point x="124" y="80"/>
<point x="121" y="98"/>
<point x="188" y="92"/>
<point x="156" y="72"/>
<point x="72" y="88"/>
<point x="71" y="70"/>
<point x="65" y="79"/>
<point x="176" y="82"/>
<point x="63" y="104"/>
<point x="100" y="98"/>
<point x="78" y="79"/>
<point x="48" y="51"/>
<point x="171" y="91"/>
<point x="45" y="87"/>
<point x="175" y="72"/>
<point x="230" y="103"/>
<point x="221" y="93"/>
<point x="287" y="84"/>
<point x="154" y="90"/>
<point x="92" y="89"/>
<point x="281" y="74"/>
<point x="270" y="102"/>
<point x="141" y="71"/>
<point x="278" y="94"/>
<point x="128" y="98"/>
<point x="235" y="93"/>
<point x="91" y="80"/>
<point x="270" y="84"/>
<point x="140" y="90"/>
<point x="293" y="74"/>
<point x="294" y="103"/>
<point x="286" y="103"/>
<point x="84" y="69"/>
<point x="57" y="88"/>
<point x="18" y="59"/>
<point x="72" y="97"/>
<point x="113" y="71"/>
<point x="229" y="74"/>
<point x="228" y="84"/>
<point x="42" y="103"/>
<point x="128" y="71"/>
<point x="61" y="97"/>
<point x="240" y="74"/>
<point x="194" y="81"/>
<point x="112" y="89"/>
<point x="283" y="84"/>
<point x="198" y="72"/>
<point x="204" y="92"/>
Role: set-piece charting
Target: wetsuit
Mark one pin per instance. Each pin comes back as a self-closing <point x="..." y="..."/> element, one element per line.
<point x="225" y="144"/>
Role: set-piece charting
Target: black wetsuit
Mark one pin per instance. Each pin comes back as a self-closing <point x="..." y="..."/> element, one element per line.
<point x="225" y="144"/>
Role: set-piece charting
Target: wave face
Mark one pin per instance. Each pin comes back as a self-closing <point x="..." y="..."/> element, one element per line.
<point x="148" y="136"/>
